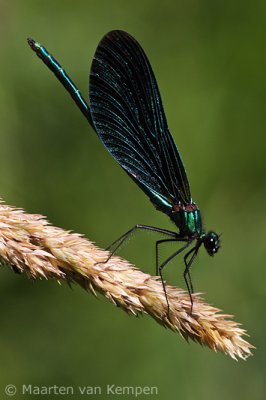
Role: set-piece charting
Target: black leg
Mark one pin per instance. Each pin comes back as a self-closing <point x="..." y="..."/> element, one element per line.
<point x="165" y="263"/>
<point x="187" y="272"/>
<point x="177" y="239"/>
<point x="126" y="235"/>
<point x="190" y="286"/>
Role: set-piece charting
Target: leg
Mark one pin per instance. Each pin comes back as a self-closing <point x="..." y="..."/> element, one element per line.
<point x="165" y="263"/>
<point x="126" y="235"/>
<point x="187" y="272"/>
<point x="190" y="285"/>
<point x="177" y="239"/>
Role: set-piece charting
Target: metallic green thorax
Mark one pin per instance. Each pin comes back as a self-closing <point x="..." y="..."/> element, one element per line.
<point x="188" y="220"/>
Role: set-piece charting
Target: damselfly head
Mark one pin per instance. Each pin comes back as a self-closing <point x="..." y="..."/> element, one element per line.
<point x="211" y="243"/>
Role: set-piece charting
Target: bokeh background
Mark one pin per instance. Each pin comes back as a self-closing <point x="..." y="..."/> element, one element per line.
<point x="209" y="59"/>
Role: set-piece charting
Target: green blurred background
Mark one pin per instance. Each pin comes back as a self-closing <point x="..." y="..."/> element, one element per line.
<point x="209" y="58"/>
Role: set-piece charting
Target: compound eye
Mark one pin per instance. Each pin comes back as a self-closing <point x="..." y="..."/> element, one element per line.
<point x="212" y="243"/>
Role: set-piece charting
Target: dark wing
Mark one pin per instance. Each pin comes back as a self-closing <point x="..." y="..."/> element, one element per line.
<point x="128" y="115"/>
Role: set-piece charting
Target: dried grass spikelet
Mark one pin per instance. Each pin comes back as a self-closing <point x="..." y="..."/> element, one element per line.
<point x="30" y="244"/>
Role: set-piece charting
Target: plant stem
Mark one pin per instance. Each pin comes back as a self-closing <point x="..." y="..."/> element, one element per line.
<point x="29" y="244"/>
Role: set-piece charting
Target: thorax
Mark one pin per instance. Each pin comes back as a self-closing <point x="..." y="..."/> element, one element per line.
<point x="188" y="219"/>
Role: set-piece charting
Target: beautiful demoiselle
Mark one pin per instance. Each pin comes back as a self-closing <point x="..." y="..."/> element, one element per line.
<point x="127" y="114"/>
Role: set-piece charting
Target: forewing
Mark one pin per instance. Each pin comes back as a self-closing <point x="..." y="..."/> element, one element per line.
<point x="128" y="116"/>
